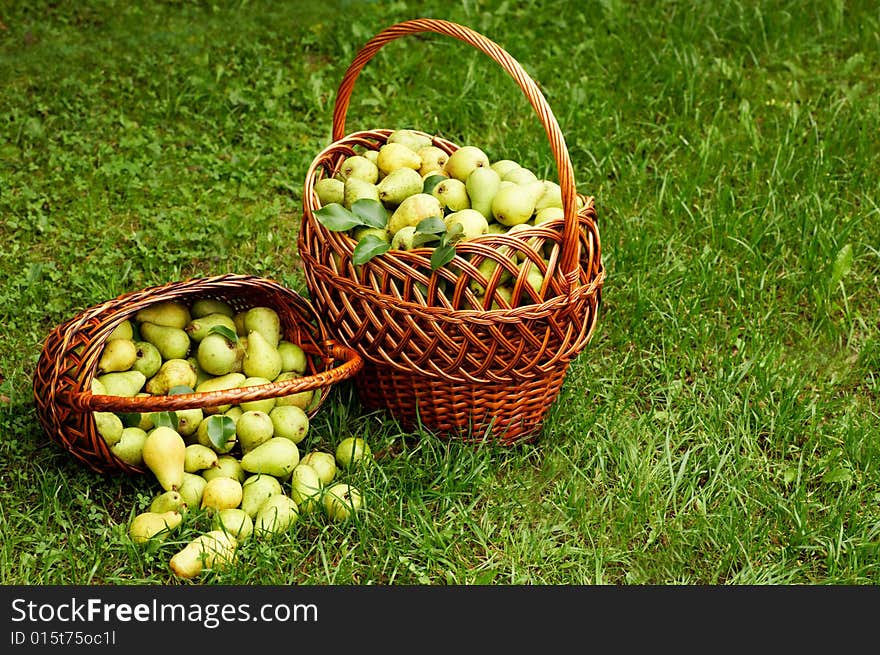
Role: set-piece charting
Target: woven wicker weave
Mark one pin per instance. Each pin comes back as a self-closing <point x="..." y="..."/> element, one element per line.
<point x="69" y="359"/>
<point x="474" y="367"/>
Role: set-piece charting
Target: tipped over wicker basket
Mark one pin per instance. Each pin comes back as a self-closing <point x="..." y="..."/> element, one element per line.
<point x="69" y="359"/>
<point x="472" y="367"/>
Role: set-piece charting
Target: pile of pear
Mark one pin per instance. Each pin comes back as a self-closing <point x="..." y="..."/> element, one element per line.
<point x="415" y="179"/>
<point x="240" y="463"/>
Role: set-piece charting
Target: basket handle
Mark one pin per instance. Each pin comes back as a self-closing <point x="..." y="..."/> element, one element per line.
<point x="570" y="254"/>
<point x="351" y="365"/>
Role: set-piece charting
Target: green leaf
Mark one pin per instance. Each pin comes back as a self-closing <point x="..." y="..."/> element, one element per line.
<point x="367" y="248"/>
<point x="421" y="238"/>
<point x="371" y="212"/>
<point x="432" y="181"/>
<point x="431" y="225"/>
<point x="130" y="419"/>
<point x="180" y="388"/>
<point x="165" y="419"/>
<point x="221" y="429"/>
<point x="337" y="218"/>
<point x="441" y="256"/>
<point x="842" y="265"/>
<point x="225" y="331"/>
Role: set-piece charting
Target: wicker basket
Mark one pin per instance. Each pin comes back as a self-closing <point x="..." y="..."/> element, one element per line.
<point x="469" y="367"/>
<point x="68" y="362"/>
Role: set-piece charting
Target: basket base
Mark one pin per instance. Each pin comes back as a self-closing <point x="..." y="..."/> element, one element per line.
<point x="502" y="414"/>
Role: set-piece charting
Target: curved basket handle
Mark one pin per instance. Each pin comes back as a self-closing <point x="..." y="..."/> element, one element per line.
<point x="352" y="364"/>
<point x="570" y="253"/>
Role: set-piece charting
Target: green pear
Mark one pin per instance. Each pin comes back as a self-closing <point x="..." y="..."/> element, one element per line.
<point x="358" y="167"/>
<point x="198" y="328"/>
<point x="256" y="488"/>
<point x="221" y="493"/>
<point x="228" y="466"/>
<point x="192" y="488"/>
<point x="341" y="501"/>
<point x="130" y="446"/>
<point x="266" y="321"/>
<point x="361" y="231"/>
<point x="153" y="525"/>
<point x="452" y="194"/>
<point x="550" y="197"/>
<point x="504" y="166"/>
<point x="252" y="429"/>
<point x="261" y="359"/>
<point x="172" y="373"/>
<point x="148" y="359"/>
<point x="497" y="228"/>
<point x="487" y="268"/>
<point x="276" y="515"/>
<point x="124" y="330"/>
<point x="330" y="190"/>
<point x="172" y="342"/>
<point x="220" y="383"/>
<point x="324" y="464"/>
<point x="482" y="185"/>
<point x="201" y="374"/>
<point x="464" y="160"/>
<point x="293" y="357"/>
<point x="301" y="399"/>
<point x="234" y="521"/>
<point x="403" y="238"/>
<point x="413" y="210"/>
<point x="351" y="452"/>
<point x="217" y="355"/>
<point x="199" y="457"/>
<point x="535" y="279"/>
<point x="238" y="319"/>
<point x="393" y="156"/>
<point x="433" y="160"/>
<point x="188" y="422"/>
<point x="168" y="501"/>
<point x="109" y="426"/>
<point x="234" y="413"/>
<point x="290" y="422"/>
<point x="548" y="214"/>
<point x="214" y="549"/>
<point x="98" y="387"/>
<point x="473" y="223"/>
<point x="355" y="189"/>
<point x="398" y="185"/>
<point x="505" y="293"/>
<point x="265" y="405"/>
<point x="514" y="203"/>
<point x="169" y="313"/>
<point x="122" y="383"/>
<point x="164" y="453"/>
<point x="117" y="355"/>
<point x="410" y="138"/>
<point x="206" y="306"/>
<point x="305" y="488"/>
<point x="276" y="457"/>
<point x="520" y="176"/>
<point x="372" y="155"/>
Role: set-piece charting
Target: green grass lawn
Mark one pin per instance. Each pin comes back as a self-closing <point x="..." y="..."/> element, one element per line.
<point x="723" y="425"/>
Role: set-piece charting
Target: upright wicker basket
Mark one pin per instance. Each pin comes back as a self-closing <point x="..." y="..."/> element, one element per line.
<point x="69" y="359"/>
<point x="468" y="367"/>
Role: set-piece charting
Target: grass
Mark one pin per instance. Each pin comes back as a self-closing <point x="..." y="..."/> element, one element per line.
<point x="722" y="426"/>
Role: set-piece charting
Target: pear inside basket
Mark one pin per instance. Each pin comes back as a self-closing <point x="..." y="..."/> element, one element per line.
<point x="472" y="233"/>
<point x="194" y="356"/>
